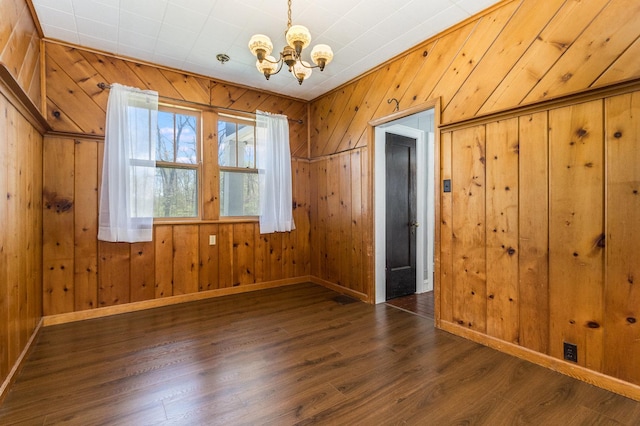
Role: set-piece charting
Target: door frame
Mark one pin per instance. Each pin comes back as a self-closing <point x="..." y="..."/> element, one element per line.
<point x="424" y="146"/>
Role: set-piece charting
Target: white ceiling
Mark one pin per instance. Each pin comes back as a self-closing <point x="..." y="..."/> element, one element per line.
<point x="187" y="34"/>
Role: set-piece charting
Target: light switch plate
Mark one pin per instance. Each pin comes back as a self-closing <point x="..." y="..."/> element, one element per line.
<point x="212" y="240"/>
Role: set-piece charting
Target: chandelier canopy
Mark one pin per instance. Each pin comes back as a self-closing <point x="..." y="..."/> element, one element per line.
<point x="298" y="38"/>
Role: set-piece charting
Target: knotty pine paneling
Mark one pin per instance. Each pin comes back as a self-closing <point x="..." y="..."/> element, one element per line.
<point x="83" y="273"/>
<point x="516" y="53"/>
<point x="622" y="296"/>
<point x="339" y="238"/>
<point x="543" y="276"/>
<point x="20" y="233"/>
<point x="533" y="220"/>
<point x="75" y="104"/>
<point x="502" y="229"/>
<point x="469" y="286"/>
<point x="20" y="47"/>
<point x="543" y="217"/>
<point x="576" y="230"/>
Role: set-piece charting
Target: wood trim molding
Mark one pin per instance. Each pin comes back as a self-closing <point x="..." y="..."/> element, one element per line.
<point x="433" y="103"/>
<point x="340" y="289"/>
<point x="581" y="96"/>
<point x="576" y="371"/>
<point x="13" y="374"/>
<point x="166" y="301"/>
<point x="11" y="89"/>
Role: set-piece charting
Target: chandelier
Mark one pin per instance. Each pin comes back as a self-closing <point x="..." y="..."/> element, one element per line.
<point x="298" y="37"/>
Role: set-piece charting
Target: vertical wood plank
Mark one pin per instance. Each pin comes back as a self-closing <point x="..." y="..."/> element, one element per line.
<point x="368" y="274"/>
<point x="469" y="257"/>
<point x="58" y="217"/>
<point x="316" y="235"/>
<point x="225" y="255"/>
<point x="243" y="240"/>
<point x="210" y="170"/>
<point x="343" y="220"/>
<point x="114" y="282"/>
<point x="275" y="257"/>
<point x="576" y="231"/>
<point x="301" y="202"/>
<point x="446" y="231"/>
<point x="4" y="218"/>
<point x="356" y="252"/>
<point x="208" y="276"/>
<point x="163" y="239"/>
<point x="332" y="230"/>
<point x="86" y="225"/>
<point x="502" y="251"/>
<point x="533" y="227"/>
<point x="185" y="259"/>
<point x="143" y="277"/>
<point x="622" y="296"/>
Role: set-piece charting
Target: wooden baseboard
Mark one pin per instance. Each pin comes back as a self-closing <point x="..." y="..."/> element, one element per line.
<point x="576" y="371"/>
<point x="340" y="289"/>
<point x="166" y="301"/>
<point x="13" y="373"/>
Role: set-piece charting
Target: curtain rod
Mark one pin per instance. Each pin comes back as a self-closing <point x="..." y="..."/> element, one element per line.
<point x="104" y="86"/>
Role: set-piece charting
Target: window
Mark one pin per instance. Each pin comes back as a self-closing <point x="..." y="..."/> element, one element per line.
<point x="238" y="171"/>
<point x="177" y="163"/>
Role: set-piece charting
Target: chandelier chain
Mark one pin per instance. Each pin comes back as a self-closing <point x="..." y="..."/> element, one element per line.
<point x="289" y="15"/>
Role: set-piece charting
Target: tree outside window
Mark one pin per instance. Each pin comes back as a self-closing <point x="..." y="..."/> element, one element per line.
<point x="177" y="163"/>
<point x="239" y="184"/>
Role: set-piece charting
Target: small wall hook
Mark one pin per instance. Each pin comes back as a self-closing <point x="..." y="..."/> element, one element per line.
<point x="397" y="108"/>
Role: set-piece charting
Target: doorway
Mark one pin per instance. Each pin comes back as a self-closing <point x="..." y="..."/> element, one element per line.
<point x="401" y="215"/>
<point x="419" y="127"/>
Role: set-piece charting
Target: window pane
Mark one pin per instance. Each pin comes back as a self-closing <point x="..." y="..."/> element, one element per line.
<point x="246" y="148"/>
<point x="166" y="132"/>
<point x="239" y="194"/>
<point x="227" y="144"/>
<point x="140" y="133"/>
<point x="186" y="139"/>
<point x="176" y="192"/>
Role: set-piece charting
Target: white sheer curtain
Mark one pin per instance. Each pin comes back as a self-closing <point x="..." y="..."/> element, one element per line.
<point x="128" y="172"/>
<point x="274" y="164"/>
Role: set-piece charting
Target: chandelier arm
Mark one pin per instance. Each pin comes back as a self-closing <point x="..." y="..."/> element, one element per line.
<point x="279" y="62"/>
<point x="299" y="60"/>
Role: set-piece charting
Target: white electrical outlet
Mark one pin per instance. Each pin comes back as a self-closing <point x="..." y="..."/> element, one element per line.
<point x="212" y="240"/>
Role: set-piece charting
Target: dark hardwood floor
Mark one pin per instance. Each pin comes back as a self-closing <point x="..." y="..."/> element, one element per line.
<point x="419" y="304"/>
<point x="294" y="355"/>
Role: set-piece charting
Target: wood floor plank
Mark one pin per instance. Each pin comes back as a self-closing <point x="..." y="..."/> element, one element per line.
<point x="292" y="355"/>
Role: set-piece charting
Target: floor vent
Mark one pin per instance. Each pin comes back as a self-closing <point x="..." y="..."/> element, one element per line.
<point x="343" y="299"/>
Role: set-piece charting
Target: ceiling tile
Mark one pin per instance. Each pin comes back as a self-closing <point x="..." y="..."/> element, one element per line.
<point x="188" y="34"/>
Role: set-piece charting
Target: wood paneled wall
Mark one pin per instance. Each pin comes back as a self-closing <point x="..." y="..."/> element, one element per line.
<point x="340" y="216"/>
<point x="538" y="239"/>
<point x="559" y="265"/>
<point x="20" y="234"/>
<point x="75" y="103"/>
<point x="520" y="52"/>
<point x="81" y="273"/>
<point x="20" y="186"/>
<point x="20" y="47"/>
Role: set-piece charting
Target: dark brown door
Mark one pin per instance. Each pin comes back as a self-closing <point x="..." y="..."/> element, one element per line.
<point x="401" y="215"/>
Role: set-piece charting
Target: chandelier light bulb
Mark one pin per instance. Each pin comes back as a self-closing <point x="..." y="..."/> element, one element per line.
<point x="302" y="70"/>
<point x="260" y="45"/>
<point x="298" y="37"/>
<point x="321" y="55"/>
<point x="267" y="66"/>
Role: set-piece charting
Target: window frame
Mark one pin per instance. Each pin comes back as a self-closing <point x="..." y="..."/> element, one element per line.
<point x="197" y="166"/>
<point x="237" y="119"/>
